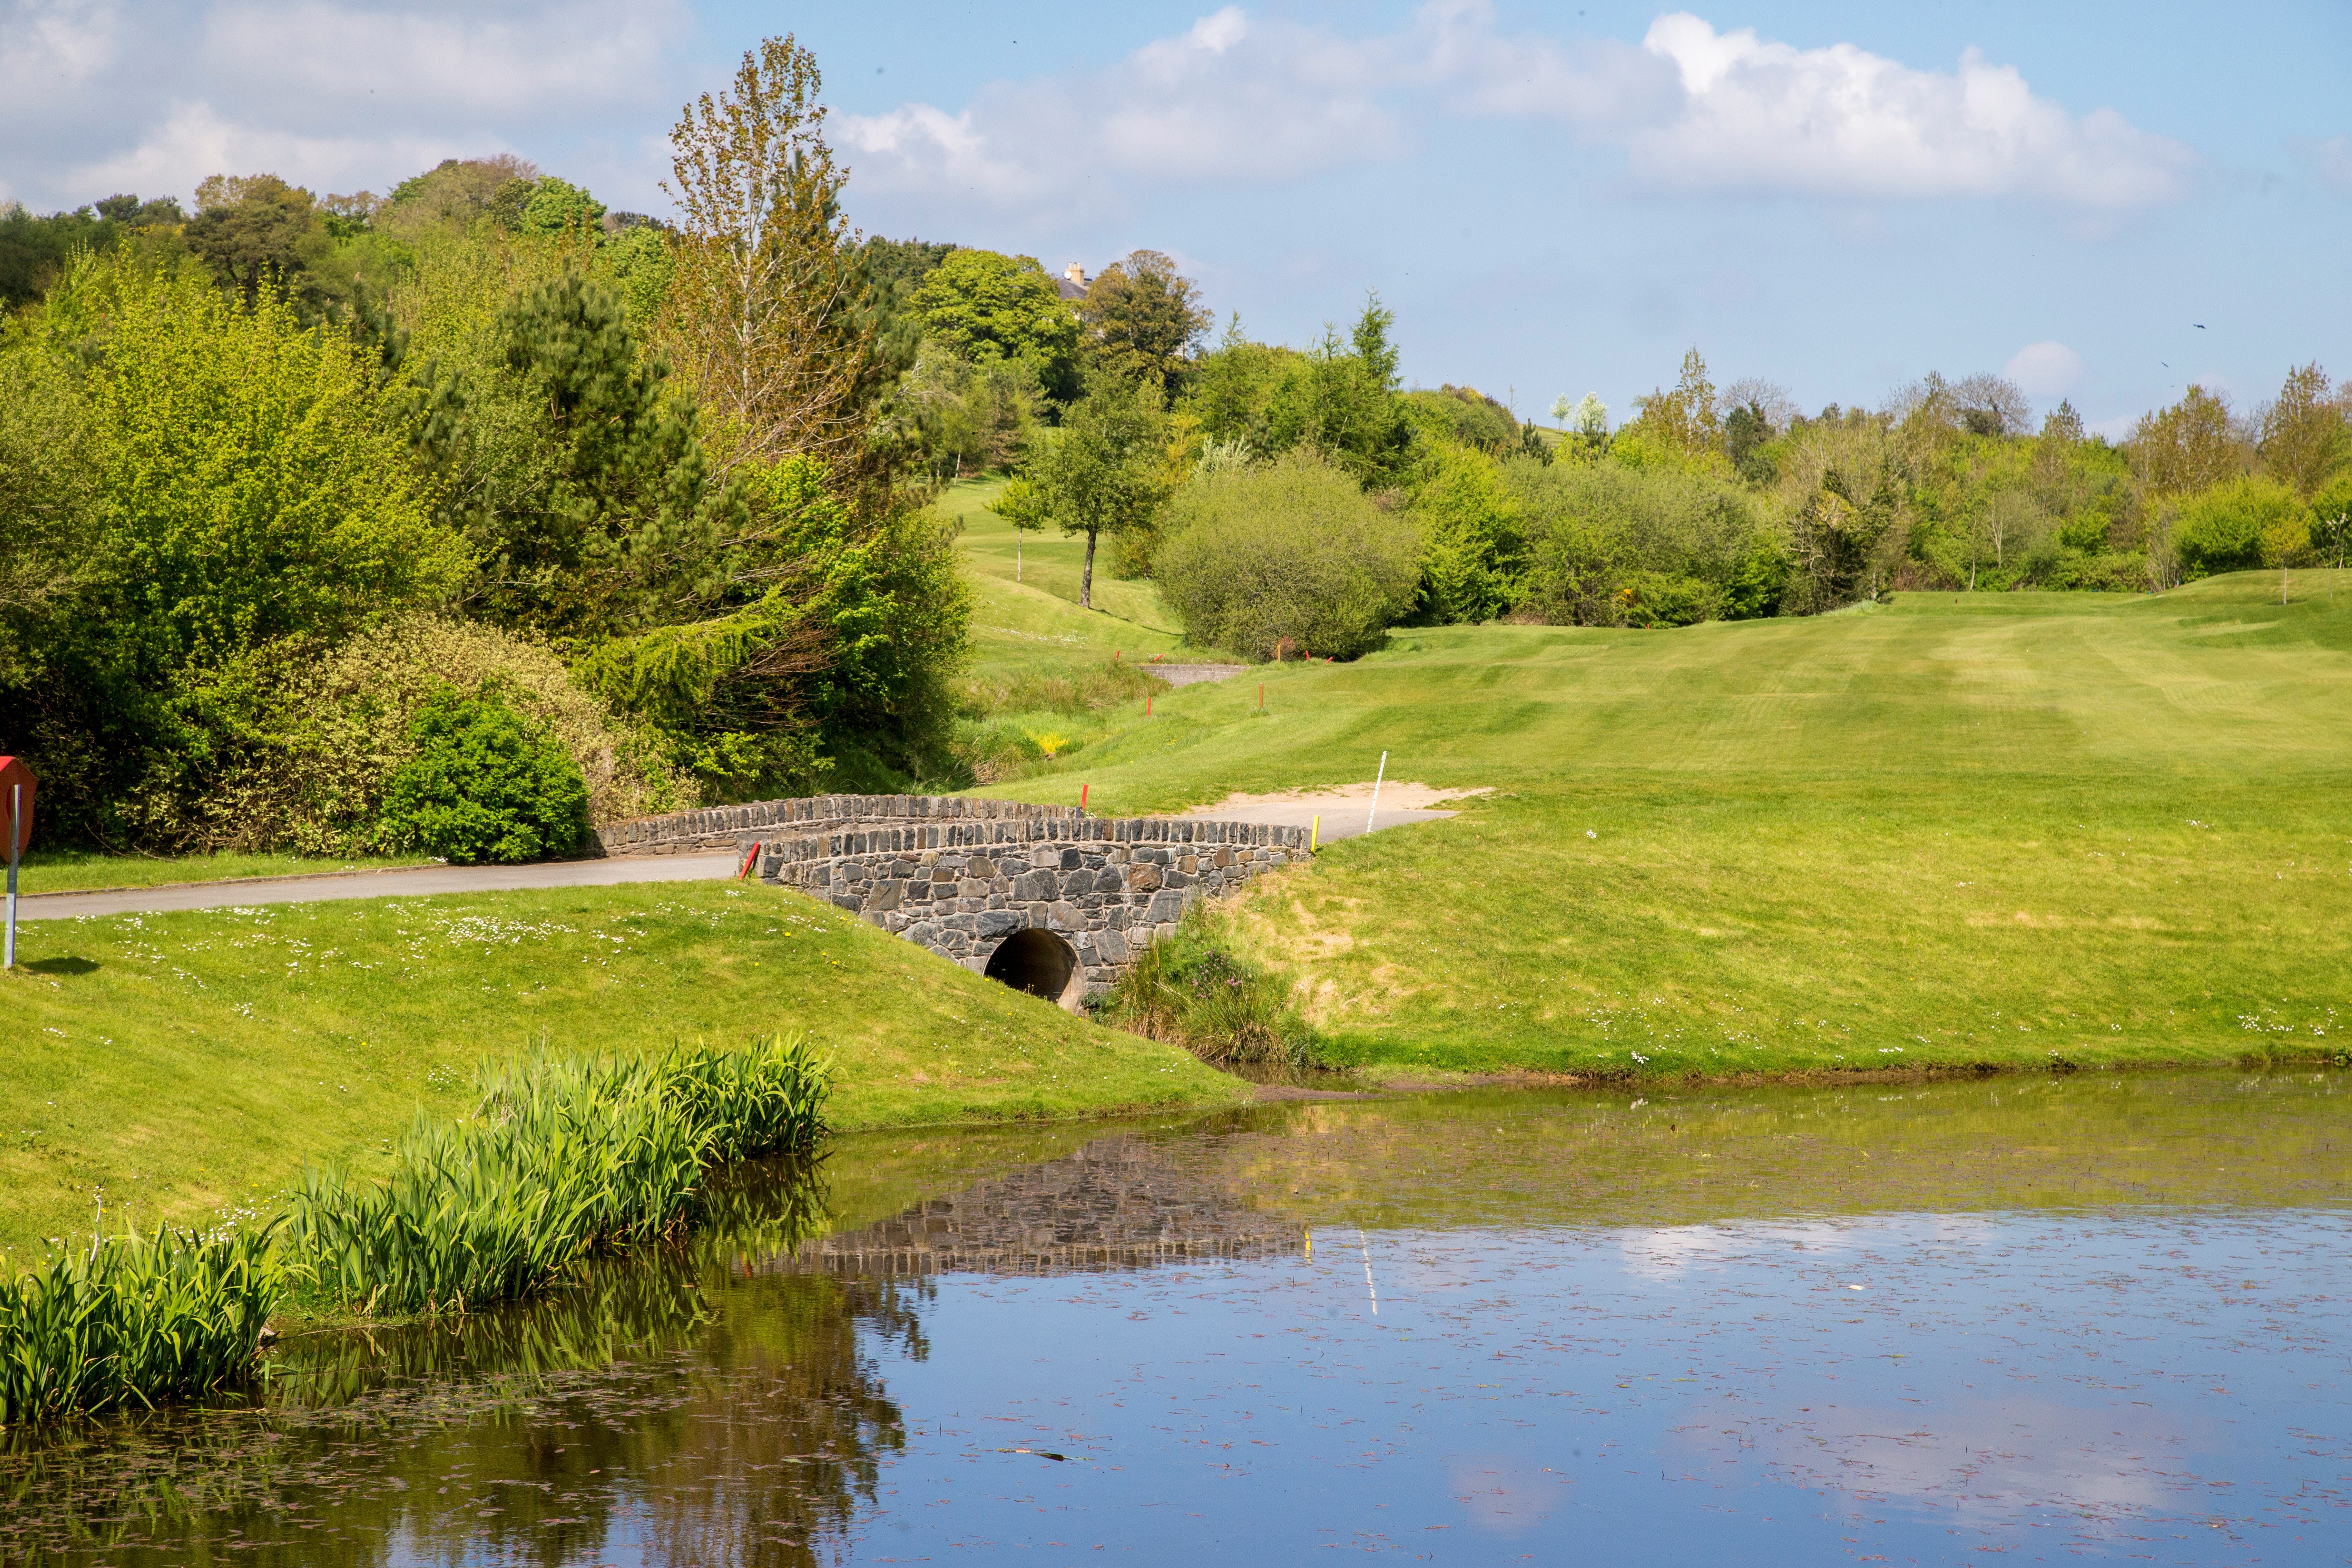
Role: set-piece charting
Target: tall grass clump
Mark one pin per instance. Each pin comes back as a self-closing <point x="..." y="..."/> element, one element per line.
<point x="1190" y="990"/>
<point x="135" y="1320"/>
<point x="565" y="1159"/>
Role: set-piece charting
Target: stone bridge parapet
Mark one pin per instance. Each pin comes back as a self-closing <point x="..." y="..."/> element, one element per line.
<point x="969" y="887"/>
<point x="722" y="826"/>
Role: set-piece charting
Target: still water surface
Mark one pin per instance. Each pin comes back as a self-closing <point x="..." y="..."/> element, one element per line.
<point x="2080" y="1318"/>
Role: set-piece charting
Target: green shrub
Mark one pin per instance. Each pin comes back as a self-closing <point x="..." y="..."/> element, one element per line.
<point x="484" y="785"/>
<point x="1612" y="545"/>
<point x="2238" y="526"/>
<point x="304" y="752"/>
<point x="1471" y="545"/>
<point x="1189" y="989"/>
<point x="133" y="1321"/>
<point x="1664" y="599"/>
<point x="567" y="1158"/>
<point x="1290" y="553"/>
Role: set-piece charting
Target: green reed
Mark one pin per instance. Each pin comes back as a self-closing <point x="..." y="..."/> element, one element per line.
<point x="135" y="1320"/>
<point x="565" y="1159"/>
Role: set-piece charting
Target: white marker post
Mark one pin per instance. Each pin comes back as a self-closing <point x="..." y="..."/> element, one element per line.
<point x="1376" y="792"/>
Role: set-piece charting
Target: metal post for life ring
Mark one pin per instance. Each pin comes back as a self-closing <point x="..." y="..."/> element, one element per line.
<point x="16" y="842"/>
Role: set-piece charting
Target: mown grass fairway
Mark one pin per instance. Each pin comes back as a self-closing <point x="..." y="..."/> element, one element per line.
<point x="187" y="1066"/>
<point x="2008" y="830"/>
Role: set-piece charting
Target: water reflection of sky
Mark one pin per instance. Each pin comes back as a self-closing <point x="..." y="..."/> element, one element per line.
<point x="2104" y="1319"/>
<point x="2162" y="1385"/>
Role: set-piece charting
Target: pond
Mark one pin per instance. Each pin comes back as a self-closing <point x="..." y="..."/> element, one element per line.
<point x="2086" y="1317"/>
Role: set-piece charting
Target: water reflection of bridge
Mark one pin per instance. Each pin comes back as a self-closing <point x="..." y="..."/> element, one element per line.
<point x="1117" y="1204"/>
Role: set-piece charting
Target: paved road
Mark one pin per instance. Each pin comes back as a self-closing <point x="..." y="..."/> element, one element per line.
<point x="379" y="885"/>
<point x="1339" y="821"/>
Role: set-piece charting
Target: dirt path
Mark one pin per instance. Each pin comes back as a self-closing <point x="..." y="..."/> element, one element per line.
<point x="1346" y="812"/>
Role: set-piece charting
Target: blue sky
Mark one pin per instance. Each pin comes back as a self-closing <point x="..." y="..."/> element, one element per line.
<point x="1554" y="198"/>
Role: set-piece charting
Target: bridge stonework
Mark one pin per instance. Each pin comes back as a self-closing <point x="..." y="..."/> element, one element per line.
<point x="965" y="883"/>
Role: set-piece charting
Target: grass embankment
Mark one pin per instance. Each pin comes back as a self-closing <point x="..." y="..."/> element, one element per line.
<point x="2005" y="830"/>
<point x="189" y="1066"/>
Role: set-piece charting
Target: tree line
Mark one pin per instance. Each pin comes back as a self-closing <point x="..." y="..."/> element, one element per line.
<point x="1118" y="419"/>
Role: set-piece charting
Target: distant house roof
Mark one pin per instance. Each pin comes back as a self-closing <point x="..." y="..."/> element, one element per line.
<point x="1073" y="281"/>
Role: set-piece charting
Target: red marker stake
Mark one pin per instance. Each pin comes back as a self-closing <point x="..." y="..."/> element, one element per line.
<point x="1147" y="705"/>
<point x="1081" y="796"/>
<point x="1261" y="695"/>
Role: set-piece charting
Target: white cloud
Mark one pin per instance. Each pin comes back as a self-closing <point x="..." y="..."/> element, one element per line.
<point x="351" y="92"/>
<point x="95" y="96"/>
<point x="195" y="141"/>
<point x="1229" y="100"/>
<point x="323" y="59"/>
<point x="1843" y="122"/>
<point x="1238" y="99"/>
<point x="2044" y="370"/>
<point x="55" y="48"/>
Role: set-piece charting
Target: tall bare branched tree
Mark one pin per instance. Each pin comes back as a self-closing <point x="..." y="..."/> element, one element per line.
<point x="769" y="319"/>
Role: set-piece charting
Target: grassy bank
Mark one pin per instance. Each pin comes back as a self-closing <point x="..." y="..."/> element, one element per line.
<point x="187" y="1066"/>
<point x="2005" y="830"/>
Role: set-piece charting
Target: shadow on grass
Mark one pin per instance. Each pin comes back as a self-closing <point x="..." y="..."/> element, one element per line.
<point x="61" y="965"/>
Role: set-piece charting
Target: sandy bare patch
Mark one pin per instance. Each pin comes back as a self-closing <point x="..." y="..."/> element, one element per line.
<point x="1395" y="795"/>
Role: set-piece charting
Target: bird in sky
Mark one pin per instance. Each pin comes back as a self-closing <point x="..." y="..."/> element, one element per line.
<point x="2199" y="325"/>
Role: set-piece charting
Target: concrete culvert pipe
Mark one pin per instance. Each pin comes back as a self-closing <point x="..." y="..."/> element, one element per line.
<point x="1036" y="962"/>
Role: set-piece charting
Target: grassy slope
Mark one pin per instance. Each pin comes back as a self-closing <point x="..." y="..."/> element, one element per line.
<point x="1127" y="616"/>
<point x="1945" y="832"/>
<point x="187" y="1065"/>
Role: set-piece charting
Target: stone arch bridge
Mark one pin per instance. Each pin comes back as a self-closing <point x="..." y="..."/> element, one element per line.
<point x="1046" y="900"/>
<point x="1043" y="898"/>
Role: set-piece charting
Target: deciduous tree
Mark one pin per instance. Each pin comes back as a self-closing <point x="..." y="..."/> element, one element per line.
<point x="1143" y="318"/>
<point x="767" y="317"/>
<point x="2189" y="446"/>
<point x="1686" y="420"/>
<point x="2303" y="440"/>
<point x="257" y="231"/>
<point x="1105" y="470"/>
<point x="991" y="308"/>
